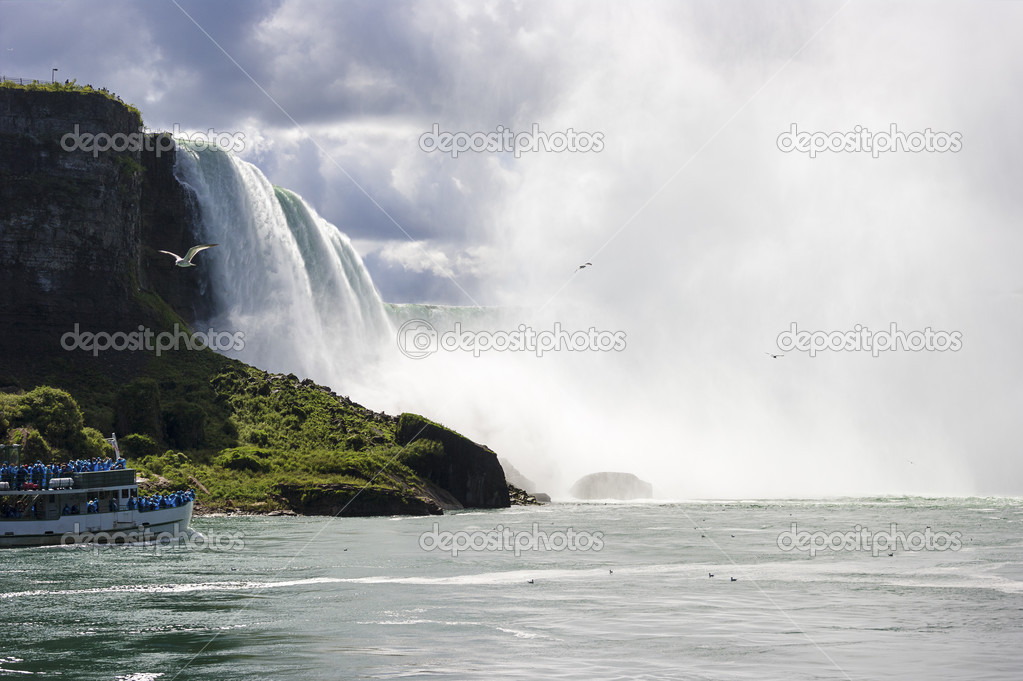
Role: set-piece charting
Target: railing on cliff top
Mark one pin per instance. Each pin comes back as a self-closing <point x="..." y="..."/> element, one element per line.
<point x="22" y="81"/>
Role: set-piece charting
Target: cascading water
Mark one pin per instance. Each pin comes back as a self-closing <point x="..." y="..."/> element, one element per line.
<point x="283" y="276"/>
<point x="293" y="285"/>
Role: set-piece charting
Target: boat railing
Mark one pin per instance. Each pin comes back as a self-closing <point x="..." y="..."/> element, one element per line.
<point x="114" y="478"/>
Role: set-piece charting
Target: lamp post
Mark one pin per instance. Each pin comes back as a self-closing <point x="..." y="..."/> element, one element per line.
<point x="53" y="73"/>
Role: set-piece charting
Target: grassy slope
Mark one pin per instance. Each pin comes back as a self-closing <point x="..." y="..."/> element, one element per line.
<point x="233" y="432"/>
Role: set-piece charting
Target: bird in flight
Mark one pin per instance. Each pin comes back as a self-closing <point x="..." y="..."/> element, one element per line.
<point x="187" y="260"/>
<point x="774" y="356"/>
<point x="584" y="266"/>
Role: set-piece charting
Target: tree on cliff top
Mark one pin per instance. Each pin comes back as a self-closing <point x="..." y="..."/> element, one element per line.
<point x="55" y="414"/>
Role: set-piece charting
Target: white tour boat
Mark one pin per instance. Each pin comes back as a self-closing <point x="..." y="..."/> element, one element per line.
<point x="89" y="506"/>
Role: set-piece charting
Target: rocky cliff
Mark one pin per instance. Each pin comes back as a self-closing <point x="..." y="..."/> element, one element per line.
<point x="469" y="471"/>
<point x="169" y="223"/>
<point x="69" y="221"/>
<point x="80" y="227"/>
<point x="523" y="484"/>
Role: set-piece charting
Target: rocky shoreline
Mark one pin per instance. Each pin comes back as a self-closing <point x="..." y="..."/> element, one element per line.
<point x="328" y="501"/>
<point x="520" y="497"/>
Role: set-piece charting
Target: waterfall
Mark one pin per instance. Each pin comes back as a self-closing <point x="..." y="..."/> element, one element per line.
<point x="282" y="275"/>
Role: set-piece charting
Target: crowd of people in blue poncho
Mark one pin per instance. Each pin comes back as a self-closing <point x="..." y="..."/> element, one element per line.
<point x="150" y="503"/>
<point x="38" y="475"/>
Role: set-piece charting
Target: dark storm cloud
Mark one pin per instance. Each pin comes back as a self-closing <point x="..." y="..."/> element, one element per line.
<point x="322" y="65"/>
<point x="146" y="52"/>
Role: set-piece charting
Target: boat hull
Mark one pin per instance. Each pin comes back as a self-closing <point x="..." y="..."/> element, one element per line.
<point x="111" y="527"/>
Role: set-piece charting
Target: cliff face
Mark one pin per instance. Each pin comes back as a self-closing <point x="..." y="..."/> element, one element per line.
<point x="471" y="472"/>
<point x="79" y="227"/>
<point x="69" y="221"/>
<point x="169" y="223"/>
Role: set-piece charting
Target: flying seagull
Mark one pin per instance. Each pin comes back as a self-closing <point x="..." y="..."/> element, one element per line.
<point x="584" y="266"/>
<point x="774" y="356"/>
<point x="187" y="260"/>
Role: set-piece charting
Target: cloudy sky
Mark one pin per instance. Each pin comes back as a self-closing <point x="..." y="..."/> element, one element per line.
<point x="707" y="239"/>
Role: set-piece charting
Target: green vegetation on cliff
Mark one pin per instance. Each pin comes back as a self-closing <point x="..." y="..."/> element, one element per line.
<point x="243" y="438"/>
<point x="79" y="235"/>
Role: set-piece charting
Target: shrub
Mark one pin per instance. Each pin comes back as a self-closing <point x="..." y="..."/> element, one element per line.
<point x="138" y="446"/>
<point x="56" y="416"/>
<point x="259" y="437"/>
<point x="230" y="429"/>
<point x="36" y="448"/>
<point x="96" y="445"/>
<point x="240" y="459"/>
<point x="162" y="464"/>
